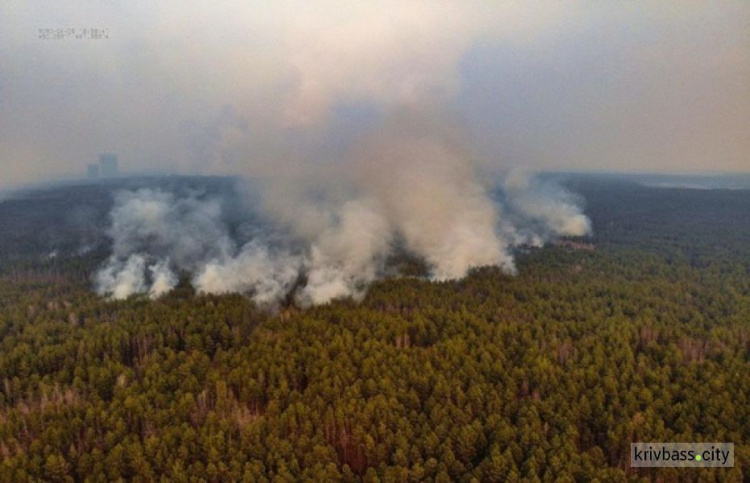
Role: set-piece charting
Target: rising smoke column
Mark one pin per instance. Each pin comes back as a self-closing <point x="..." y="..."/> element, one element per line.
<point x="429" y="189"/>
<point x="539" y="209"/>
<point x="153" y="231"/>
<point x="122" y="278"/>
<point x="256" y="270"/>
<point x="409" y="180"/>
<point x="321" y="241"/>
<point x="332" y="217"/>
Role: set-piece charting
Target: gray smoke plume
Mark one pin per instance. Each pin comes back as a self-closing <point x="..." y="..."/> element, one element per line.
<point x="540" y="209"/>
<point x="162" y="279"/>
<point x="256" y="269"/>
<point x="337" y="201"/>
<point x="155" y="230"/>
<point x="122" y="278"/>
<point x="329" y="236"/>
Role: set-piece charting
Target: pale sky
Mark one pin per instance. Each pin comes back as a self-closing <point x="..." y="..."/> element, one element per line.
<point x="256" y="87"/>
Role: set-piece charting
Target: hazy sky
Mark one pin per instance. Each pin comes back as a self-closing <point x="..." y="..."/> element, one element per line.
<point x="257" y="87"/>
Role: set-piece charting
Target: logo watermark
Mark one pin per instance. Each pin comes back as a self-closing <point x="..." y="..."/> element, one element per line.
<point x="678" y="455"/>
<point x="73" y="34"/>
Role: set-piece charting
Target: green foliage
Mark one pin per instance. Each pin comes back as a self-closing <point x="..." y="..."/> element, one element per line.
<point x="548" y="375"/>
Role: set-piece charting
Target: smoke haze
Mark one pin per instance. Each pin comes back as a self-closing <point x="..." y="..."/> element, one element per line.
<point x="365" y="128"/>
<point x="405" y="194"/>
<point x="262" y="88"/>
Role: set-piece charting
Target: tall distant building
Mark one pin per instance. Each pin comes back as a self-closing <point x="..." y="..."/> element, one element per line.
<point x="108" y="165"/>
<point x="92" y="170"/>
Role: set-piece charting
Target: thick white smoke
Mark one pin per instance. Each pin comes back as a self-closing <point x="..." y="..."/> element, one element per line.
<point x="322" y="241"/>
<point x="539" y="209"/>
<point x="433" y="199"/>
<point x="121" y="278"/>
<point x="333" y="215"/>
<point x="153" y="231"/>
<point x="267" y="275"/>
<point x="163" y="279"/>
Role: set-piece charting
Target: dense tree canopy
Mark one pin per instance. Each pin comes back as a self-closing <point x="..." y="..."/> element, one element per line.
<point x="546" y="375"/>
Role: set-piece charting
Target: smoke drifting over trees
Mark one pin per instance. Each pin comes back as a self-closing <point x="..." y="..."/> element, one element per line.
<point x="353" y="115"/>
<point x="403" y="190"/>
<point x="338" y="198"/>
